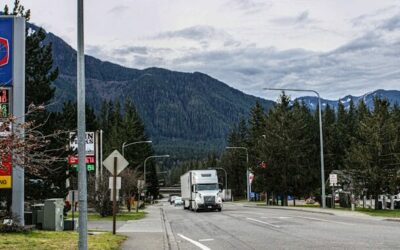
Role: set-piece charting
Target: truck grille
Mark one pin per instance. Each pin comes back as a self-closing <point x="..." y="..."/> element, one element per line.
<point x="209" y="200"/>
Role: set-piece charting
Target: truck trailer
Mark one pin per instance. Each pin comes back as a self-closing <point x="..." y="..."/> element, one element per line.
<point x="200" y="191"/>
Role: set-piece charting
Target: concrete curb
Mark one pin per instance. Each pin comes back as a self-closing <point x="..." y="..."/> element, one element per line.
<point x="392" y="220"/>
<point x="169" y="238"/>
<point x="291" y="209"/>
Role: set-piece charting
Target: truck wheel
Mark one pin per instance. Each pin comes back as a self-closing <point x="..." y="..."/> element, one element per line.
<point x="219" y="209"/>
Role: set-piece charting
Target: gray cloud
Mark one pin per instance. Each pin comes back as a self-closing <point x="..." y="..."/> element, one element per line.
<point x="248" y="6"/>
<point x="191" y="33"/>
<point x="202" y="33"/>
<point x="132" y="50"/>
<point x="301" y="19"/>
<point x="364" y="64"/>
<point x="391" y="24"/>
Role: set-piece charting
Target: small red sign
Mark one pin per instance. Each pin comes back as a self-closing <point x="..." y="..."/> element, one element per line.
<point x="5" y="166"/>
<point x="73" y="159"/>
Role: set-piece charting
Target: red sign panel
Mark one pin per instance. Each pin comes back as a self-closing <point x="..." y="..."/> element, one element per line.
<point x="73" y="159"/>
<point x="5" y="166"/>
<point x="4" y="52"/>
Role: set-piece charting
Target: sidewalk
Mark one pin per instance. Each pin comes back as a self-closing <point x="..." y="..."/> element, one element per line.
<point x="151" y="232"/>
<point x="147" y="233"/>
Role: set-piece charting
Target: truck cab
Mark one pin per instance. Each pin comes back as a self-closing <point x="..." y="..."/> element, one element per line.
<point x="200" y="190"/>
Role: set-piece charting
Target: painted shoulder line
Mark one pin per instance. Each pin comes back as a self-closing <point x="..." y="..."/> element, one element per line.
<point x="198" y="244"/>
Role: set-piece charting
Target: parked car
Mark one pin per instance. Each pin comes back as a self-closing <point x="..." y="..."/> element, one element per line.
<point x="172" y="199"/>
<point x="178" y="201"/>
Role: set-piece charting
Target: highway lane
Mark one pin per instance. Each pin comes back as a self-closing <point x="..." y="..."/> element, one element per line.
<point x="238" y="227"/>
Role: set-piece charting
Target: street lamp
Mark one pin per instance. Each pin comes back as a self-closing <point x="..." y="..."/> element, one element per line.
<point x="247" y="169"/>
<point x="150" y="157"/>
<point x="226" y="178"/>
<point x="320" y="137"/>
<point x="124" y="145"/>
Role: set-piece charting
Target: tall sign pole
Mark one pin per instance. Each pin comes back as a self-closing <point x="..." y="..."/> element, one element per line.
<point x="12" y="79"/>
<point x="82" y="180"/>
<point x="115" y="194"/>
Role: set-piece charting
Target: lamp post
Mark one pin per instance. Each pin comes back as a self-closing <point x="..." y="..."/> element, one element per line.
<point x="150" y="157"/>
<point x="124" y="145"/>
<point x="144" y="171"/>
<point x="247" y="170"/>
<point x="226" y="178"/>
<point x="320" y="137"/>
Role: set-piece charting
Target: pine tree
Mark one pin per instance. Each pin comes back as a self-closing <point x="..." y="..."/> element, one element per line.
<point x="372" y="159"/>
<point x="234" y="160"/>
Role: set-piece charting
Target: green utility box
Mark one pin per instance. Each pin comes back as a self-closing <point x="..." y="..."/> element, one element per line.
<point x="37" y="215"/>
<point x="53" y="217"/>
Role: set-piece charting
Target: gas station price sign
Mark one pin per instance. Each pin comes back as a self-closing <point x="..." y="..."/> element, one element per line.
<point x="4" y="102"/>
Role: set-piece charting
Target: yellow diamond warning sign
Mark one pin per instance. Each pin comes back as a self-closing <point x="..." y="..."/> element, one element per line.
<point x="5" y="182"/>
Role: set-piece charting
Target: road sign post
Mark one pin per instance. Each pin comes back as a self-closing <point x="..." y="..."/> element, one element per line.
<point x="333" y="183"/>
<point x="115" y="194"/>
<point x="115" y="163"/>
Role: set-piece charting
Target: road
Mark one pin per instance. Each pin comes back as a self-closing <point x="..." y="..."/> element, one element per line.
<point x="240" y="227"/>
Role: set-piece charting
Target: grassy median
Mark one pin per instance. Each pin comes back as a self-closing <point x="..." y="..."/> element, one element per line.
<point x="382" y="213"/>
<point x="122" y="216"/>
<point x="58" y="240"/>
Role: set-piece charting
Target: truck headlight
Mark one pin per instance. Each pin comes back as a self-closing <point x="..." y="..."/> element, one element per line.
<point x="219" y="200"/>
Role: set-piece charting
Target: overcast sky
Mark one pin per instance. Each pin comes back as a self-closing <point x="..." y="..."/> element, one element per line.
<point x="336" y="47"/>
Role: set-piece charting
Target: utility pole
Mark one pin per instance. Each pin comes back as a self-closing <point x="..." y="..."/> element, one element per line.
<point x="82" y="172"/>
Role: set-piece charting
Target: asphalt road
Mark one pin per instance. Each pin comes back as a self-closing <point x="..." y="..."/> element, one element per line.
<point x="239" y="227"/>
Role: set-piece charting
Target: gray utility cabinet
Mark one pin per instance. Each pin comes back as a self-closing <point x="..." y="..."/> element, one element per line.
<point x="53" y="217"/>
<point x="37" y="215"/>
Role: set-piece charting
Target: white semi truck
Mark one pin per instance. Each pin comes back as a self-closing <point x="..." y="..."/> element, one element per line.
<point x="200" y="191"/>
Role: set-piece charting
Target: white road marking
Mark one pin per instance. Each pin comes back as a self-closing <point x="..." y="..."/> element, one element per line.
<point x="280" y="217"/>
<point x="206" y="239"/>
<point x="330" y="221"/>
<point x="263" y="222"/>
<point x="198" y="244"/>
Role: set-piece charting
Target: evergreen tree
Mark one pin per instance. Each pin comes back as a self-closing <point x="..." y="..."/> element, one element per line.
<point x="234" y="160"/>
<point x="330" y="139"/>
<point x="124" y="125"/>
<point x="256" y="138"/>
<point x="372" y="160"/>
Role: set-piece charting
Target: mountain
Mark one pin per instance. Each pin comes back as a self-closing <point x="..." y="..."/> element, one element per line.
<point x="393" y="96"/>
<point x="183" y="112"/>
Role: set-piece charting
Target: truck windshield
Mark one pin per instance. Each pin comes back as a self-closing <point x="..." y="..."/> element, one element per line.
<point x="209" y="186"/>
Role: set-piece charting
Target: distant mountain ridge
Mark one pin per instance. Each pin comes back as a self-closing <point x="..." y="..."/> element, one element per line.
<point x="181" y="111"/>
<point x="393" y="96"/>
<point x="189" y="111"/>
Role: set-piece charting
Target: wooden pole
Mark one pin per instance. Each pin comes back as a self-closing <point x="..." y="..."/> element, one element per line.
<point x="114" y="194"/>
